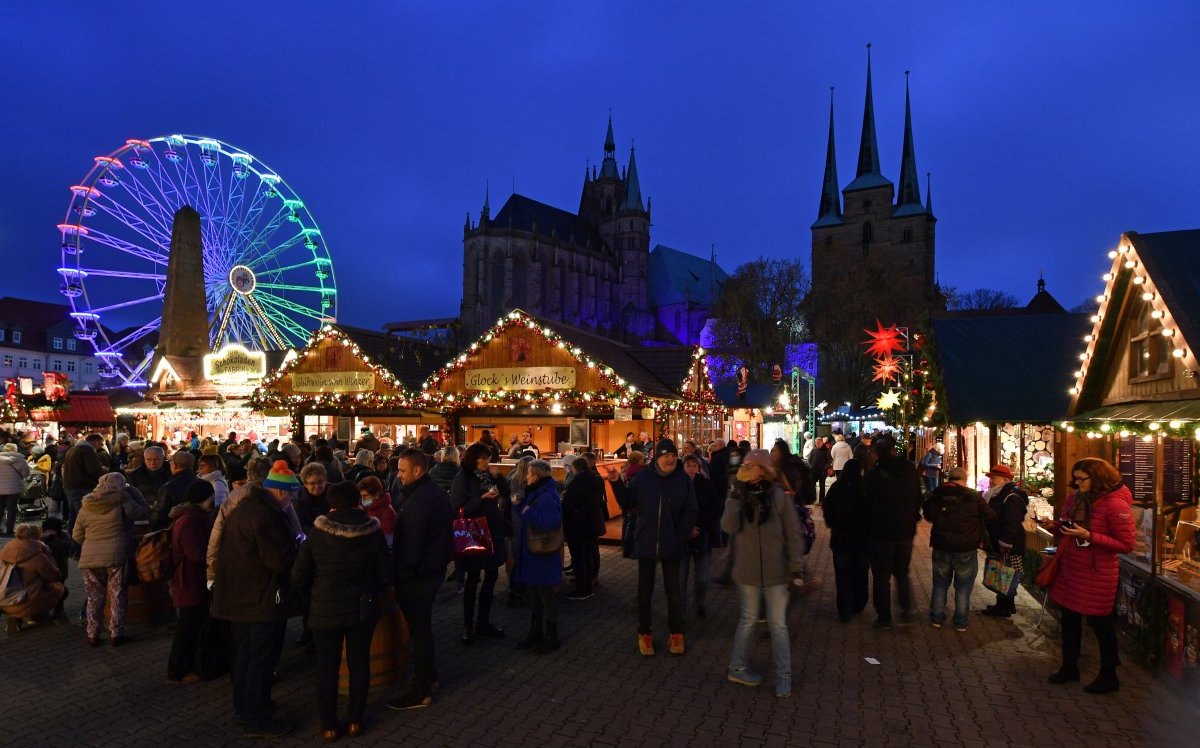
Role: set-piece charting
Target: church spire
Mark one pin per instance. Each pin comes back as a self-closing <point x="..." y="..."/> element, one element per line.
<point x="486" y="213"/>
<point x="928" y="195"/>
<point x="909" y="194"/>
<point x="633" y="189"/>
<point x="608" y="167"/>
<point x="868" y="173"/>
<point x="829" y="213"/>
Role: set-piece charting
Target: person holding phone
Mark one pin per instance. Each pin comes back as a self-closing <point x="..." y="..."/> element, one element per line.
<point x="477" y="494"/>
<point x="1096" y="526"/>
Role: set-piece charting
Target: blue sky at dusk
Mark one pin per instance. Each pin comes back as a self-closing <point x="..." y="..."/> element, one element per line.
<point x="1049" y="127"/>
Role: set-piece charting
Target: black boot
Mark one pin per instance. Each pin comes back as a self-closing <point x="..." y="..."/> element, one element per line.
<point x="534" y="636"/>
<point x="549" y="642"/>
<point x="1106" y="682"/>
<point x="1066" y="674"/>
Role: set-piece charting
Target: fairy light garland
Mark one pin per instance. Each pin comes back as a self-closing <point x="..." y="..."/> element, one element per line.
<point x="1126" y="263"/>
<point x="1178" y="429"/>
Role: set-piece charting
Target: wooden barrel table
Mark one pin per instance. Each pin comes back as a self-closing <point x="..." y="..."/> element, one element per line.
<point x="387" y="646"/>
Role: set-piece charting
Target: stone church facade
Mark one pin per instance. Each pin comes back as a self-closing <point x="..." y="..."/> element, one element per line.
<point x="588" y="269"/>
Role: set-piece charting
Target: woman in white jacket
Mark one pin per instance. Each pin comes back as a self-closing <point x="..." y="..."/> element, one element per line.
<point x="841" y="454"/>
<point x="13" y="472"/>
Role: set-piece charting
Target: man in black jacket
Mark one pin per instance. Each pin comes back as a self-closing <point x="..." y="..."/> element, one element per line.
<point x="718" y="467"/>
<point x="171" y="493"/>
<point x="251" y="590"/>
<point x="152" y="474"/>
<point x="957" y="514"/>
<point x="1006" y="532"/>
<point x="821" y="461"/>
<point x="893" y="492"/>
<point x="664" y="501"/>
<point x="580" y="500"/>
<point x="422" y="548"/>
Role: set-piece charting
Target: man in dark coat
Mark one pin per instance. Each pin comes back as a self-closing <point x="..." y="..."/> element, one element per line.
<point x="1006" y="532"/>
<point x="664" y="501"/>
<point x="422" y="548"/>
<point x="152" y="474"/>
<point x="81" y="471"/>
<point x="425" y="441"/>
<point x="171" y="493"/>
<point x="254" y="564"/>
<point x="893" y="491"/>
<point x="821" y="461"/>
<point x="957" y="513"/>
<point x="580" y="500"/>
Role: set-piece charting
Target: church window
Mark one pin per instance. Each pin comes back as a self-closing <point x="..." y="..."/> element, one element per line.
<point x="829" y="241"/>
<point x="1148" y="354"/>
<point x="868" y="233"/>
<point x="908" y="234"/>
<point x="867" y="204"/>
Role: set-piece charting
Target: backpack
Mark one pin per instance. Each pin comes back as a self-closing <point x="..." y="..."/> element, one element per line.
<point x="154" y="559"/>
<point x="12" y="589"/>
<point x="35" y="486"/>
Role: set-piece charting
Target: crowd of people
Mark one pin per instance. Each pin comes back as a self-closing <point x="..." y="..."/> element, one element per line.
<point x="335" y="535"/>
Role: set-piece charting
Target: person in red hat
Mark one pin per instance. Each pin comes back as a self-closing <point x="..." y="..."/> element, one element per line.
<point x="1006" y="533"/>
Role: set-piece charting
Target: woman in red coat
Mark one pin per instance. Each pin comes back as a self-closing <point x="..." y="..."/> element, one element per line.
<point x="191" y="523"/>
<point x="1096" y="526"/>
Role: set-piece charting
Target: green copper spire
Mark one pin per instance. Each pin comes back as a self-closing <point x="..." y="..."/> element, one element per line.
<point x="829" y="213"/>
<point x="868" y="173"/>
<point x="633" y="190"/>
<point x="909" y="193"/>
<point x="608" y="167"/>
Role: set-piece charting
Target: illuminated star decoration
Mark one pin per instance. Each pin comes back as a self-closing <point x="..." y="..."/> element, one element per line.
<point x="887" y="369"/>
<point x="884" y="340"/>
<point x="888" y="400"/>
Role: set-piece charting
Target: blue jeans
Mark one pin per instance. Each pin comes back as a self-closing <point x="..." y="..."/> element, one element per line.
<point x="961" y="570"/>
<point x="702" y="562"/>
<point x="776" y="596"/>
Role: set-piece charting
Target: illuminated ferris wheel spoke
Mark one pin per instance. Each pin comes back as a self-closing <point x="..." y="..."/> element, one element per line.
<point x="125" y="304"/>
<point x="152" y="234"/>
<point x="285" y="305"/>
<point x="159" y="277"/>
<point x="272" y="272"/>
<point x="265" y="323"/>
<point x="222" y="321"/>
<point x="258" y="241"/>
<point x="288" y="287"/>
<point x="128" y="247"/>
<point x="135" y="336"/>
<point x="150" y="198"/>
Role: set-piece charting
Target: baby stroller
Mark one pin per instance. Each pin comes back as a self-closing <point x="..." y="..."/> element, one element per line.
<point x="32" y="504"/>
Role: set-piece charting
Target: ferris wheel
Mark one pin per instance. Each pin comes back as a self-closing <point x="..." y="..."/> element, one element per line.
<point x="268" y="278"/>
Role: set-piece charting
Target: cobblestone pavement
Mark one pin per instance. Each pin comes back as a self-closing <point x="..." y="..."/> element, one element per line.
<point x="931" y="686"/>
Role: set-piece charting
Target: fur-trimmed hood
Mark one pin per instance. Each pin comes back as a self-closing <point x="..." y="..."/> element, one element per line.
<point x="350" y="524"/>
<point x="105" y="501"/>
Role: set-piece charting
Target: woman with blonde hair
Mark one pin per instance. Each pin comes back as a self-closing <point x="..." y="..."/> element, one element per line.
<point x="768" y="560"/>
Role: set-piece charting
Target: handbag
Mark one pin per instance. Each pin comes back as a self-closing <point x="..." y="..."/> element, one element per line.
<point x="1048" y="572"/>
<point x="471" y="536"/>
<point x="1000" y="576"/>
<point x="543" y="542"/>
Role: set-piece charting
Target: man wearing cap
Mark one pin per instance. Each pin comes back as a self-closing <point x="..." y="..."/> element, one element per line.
<point x="663" y="499"/>
<point x="253" y="566"/>
<point x="1006" y="533"/>
<point x="958" y="514"/>
<point x="893" y="492"/>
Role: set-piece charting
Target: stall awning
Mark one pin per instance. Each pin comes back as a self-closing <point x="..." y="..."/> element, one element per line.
<point x="81" y="410"/>
<point x="1176" y="410"/>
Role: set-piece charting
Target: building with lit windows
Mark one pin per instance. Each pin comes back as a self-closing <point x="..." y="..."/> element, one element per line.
<point x="38" y="336"/>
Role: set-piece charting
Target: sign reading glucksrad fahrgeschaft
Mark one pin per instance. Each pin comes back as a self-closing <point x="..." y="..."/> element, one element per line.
<point x="524" y="378"/>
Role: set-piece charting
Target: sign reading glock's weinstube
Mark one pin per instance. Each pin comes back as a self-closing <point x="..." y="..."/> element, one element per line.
<point x="525" y="378"/>
<point x="334" y="381"/>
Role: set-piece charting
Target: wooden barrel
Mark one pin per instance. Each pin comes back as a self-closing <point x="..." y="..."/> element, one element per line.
<point x="387" y="647"/>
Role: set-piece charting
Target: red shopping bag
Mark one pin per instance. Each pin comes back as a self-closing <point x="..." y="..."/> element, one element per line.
<point x="471" y="537"/>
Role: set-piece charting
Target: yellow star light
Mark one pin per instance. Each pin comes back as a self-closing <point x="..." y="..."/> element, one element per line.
<point x="888" y="400"/>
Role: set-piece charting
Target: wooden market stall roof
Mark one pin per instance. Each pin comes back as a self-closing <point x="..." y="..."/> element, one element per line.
<point x="610" y="370"/>
<point x="80" y="410"/>
<point x="1152" y="295"/>
<point x="1025" y="383"/>
<point x="347" y="366"/>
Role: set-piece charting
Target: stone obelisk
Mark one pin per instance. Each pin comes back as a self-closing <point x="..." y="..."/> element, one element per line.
<point x="184" y="330"/>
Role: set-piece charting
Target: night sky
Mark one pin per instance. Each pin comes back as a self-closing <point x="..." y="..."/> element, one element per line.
<point x="1049" y="127"/>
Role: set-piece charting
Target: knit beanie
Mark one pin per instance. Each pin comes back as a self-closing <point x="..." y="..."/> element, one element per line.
<point x="198" y="491"/>
<point x="281" y="476"/>
<point x="111" y="482"/>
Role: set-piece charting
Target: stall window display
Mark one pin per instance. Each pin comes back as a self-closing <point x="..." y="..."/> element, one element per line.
<point x="1146" y="462"/>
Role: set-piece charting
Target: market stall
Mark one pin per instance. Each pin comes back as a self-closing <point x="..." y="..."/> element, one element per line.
<point x="208" y="395"/>
<point x="1136" y="403"/>
<point x="342" y="383"/>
